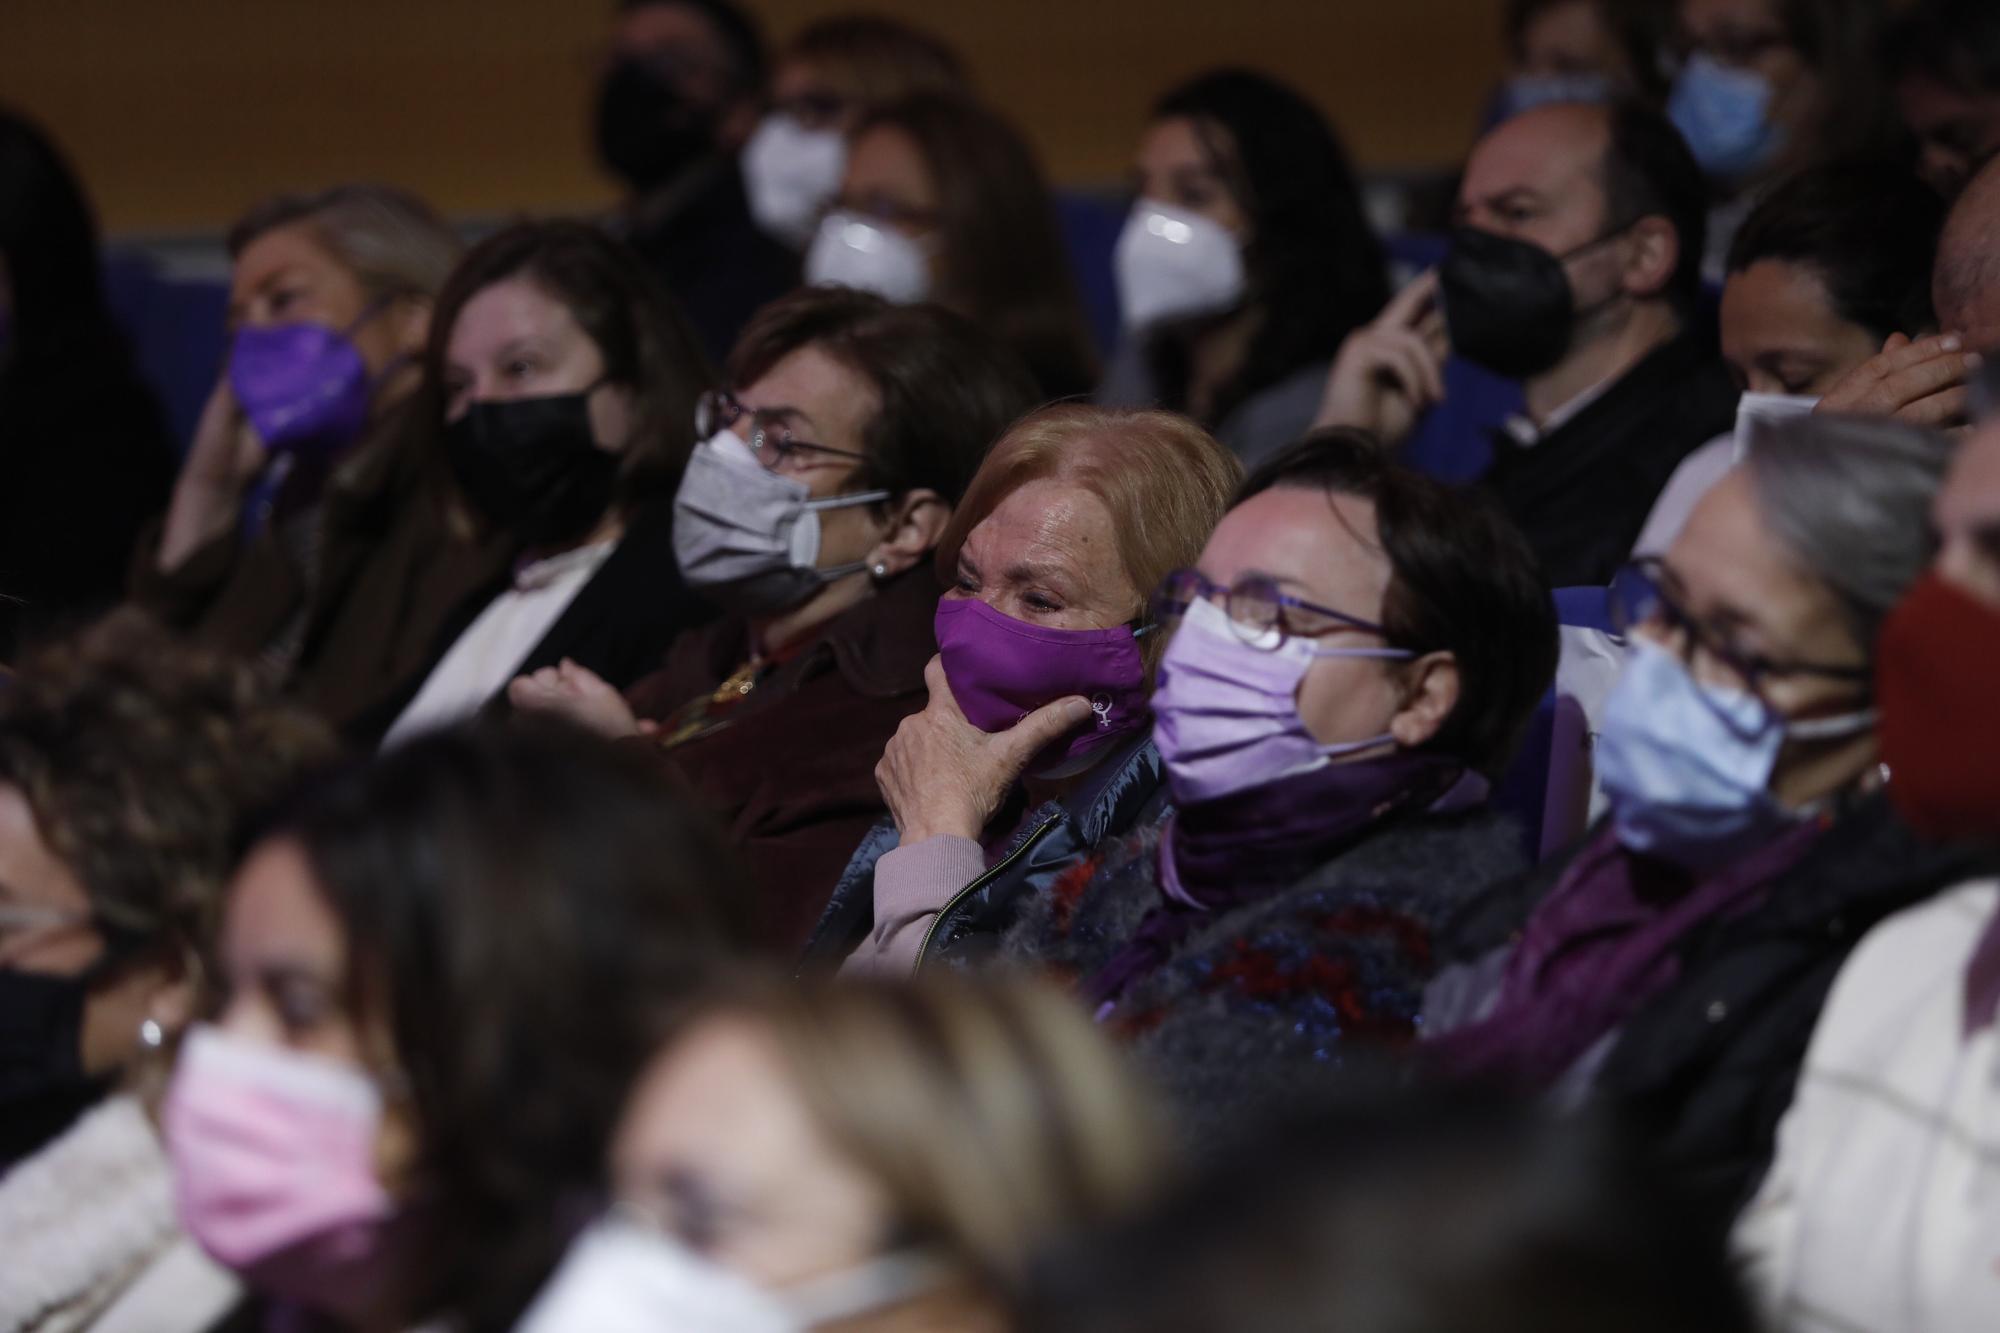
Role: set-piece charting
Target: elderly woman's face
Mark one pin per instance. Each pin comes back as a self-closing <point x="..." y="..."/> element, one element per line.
<point x="820" y="400"/>
<point x="1048" y="554"/>
<point x="1323" y="549"/>
<point x="1755" y="604"/>
<point x="719" y="1149"/>
<point x="287" y="276"/>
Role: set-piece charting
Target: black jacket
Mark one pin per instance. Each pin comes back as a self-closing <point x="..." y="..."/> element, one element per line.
<point x="717" y="264"/>
<point x="1126" y="791"/>
<point x="1706" y="1070"/>
<point x="619" y="625"/>
<point x="1582" y="493"/>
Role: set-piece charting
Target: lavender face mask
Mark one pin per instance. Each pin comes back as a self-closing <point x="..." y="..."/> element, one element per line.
<point x="1002" y="669"/>
<point x="302" y="386"/>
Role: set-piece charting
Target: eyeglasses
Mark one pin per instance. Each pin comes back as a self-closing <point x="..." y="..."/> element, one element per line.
<point x="1641" y="600"/>
<point x="770" y="436"/>
<point x="1255" y="608"/>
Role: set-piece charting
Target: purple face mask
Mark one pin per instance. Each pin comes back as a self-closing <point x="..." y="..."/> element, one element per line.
<point x="1002" y="669"/>
<point x="301" y="385"/>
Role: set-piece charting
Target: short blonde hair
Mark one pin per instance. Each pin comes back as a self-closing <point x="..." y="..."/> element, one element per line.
<point x="387" y="237"/>
<point x="993" y="1113"/>
<point x="1165" y="481"/>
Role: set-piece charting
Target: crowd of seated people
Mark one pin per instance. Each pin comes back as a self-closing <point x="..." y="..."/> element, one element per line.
<point x="729" y="767"/>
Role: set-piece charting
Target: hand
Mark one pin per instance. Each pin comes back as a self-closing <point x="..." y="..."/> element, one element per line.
<point x="943" y="776"/>
<point x="1389" y="373"/>
<point x="579" y="695"/>
<point x="1920" y="383"/>
<point x="223" y="459"/>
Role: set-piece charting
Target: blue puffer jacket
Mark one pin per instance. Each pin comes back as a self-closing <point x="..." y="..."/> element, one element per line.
<point x="1127" y="791"/>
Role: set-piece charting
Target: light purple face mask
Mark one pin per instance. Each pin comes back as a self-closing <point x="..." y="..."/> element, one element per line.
<point x="1002" y="669"/>
<point x="302" y="386"/>
<point x="1226" y="712"/>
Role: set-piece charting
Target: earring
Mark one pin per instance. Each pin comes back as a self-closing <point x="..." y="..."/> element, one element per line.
<point x="881" y="570"/>
<point x="151" y="1035"/>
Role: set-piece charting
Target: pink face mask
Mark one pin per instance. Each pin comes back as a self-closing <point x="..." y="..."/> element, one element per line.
<point x="273" y="1158"/>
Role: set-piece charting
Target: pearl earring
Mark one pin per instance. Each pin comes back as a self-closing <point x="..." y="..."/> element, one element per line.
<point x="881" y="570"/>
<point x="151" y="1035"/>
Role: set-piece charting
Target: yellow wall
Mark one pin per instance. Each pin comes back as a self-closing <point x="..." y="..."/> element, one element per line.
<point x="178" y="112"/>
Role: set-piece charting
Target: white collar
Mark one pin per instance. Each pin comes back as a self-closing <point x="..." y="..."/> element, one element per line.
<point x="582" y="560"/>
<point x="1524" y="432"/>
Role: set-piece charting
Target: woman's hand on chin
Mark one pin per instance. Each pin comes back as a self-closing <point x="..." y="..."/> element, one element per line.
<point x="944" y="777"/>
<point x="576" y="694"/>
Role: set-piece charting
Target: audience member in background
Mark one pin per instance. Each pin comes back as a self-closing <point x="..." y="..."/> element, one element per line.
<point x="828" y="77"/>
<point x="1575" y="269"/>
<point x="86" y="456"/>
<point x="1769" y="87"/>
<point x="126" y="764"/>
<point x="942" y="201"/>
<point x="310" y="527"/>
<point x="1925" y="381"/>
<point x="860" y="1156"/>
<point x="1835" y="262"/>
<point x="569" y="384"/>
<point x="1674" y="965"/>
<point x="679" y="97"/>
<point x="1245" y="262"/>
<point x="1037" y="742"/>
<point x="1582" y="51"/>
<point x="1945" y="59"/>
<point x="1425" y="1218"/>
<point x="439" y="974"/>
<point x="827" y="473"/>
<point x="1357" y="653"/>
<point x="1880" y="1211"/>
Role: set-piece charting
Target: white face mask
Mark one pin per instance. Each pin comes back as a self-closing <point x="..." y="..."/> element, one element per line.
<point x="623" y="1276"/>
<point x="1755" y="407"/>
<point x="851" y="251"/>
<point x="1173" y="264"/>
<point x="747" y="536"/>
<point x="790" y="173"/>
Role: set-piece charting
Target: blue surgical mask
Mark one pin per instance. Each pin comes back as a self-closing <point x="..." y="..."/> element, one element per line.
<point x="1525" y="92"/>
<point x="1687" y="766"/>
<point x="1724" y="113"/>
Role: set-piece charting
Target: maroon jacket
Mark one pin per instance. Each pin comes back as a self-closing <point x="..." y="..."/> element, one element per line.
<point x="790" y="770"/>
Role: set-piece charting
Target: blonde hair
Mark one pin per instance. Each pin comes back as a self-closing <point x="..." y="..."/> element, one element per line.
<point x="993" y="1112"/>
<point x="1165" y="481"/>
<point x="387" y="237"/>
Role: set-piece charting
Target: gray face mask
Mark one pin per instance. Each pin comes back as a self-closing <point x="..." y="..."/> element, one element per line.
<point x="748" y="537"/>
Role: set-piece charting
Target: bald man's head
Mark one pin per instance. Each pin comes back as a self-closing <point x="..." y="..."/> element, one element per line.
<point x="1966" y="283"/>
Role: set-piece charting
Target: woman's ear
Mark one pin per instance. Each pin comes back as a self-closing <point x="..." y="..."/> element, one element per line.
<point x="1430" y="692"/>
<point x="910" y="533"/>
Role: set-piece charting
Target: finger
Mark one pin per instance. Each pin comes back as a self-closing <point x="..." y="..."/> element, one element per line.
<point x="1428" y="372"/>
<point x="1928" y="378"/>
<point x="939" y="685"/>
<point x="1041" y="728"/>
<point x="1940" y="411"/>
<point x="1895" y="342"/>
<point x="1410" y="366"/>
<point x="1406" y="307"/>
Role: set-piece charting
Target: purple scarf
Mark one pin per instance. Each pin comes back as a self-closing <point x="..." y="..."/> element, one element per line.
<point x="1602" y="944"/>
<point x="1240" y="848"/>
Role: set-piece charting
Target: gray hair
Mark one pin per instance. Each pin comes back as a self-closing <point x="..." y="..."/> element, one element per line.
<point x="388" y="238"/>
<point x="1850" y="499"/>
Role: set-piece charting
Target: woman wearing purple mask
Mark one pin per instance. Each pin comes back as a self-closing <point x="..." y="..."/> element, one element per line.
<point x="1355" y="654"/>
<point x="439" y="975"/>
<point x="309" y="527"/>
<point x="1035" y="747"/>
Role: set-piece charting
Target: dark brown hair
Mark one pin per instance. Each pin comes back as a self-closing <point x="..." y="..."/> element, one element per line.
<point x="522" y="905"/>
<point x="140" y="759"/>
<point x="1463" y="580"/>
<point x="639" y="332"/>
<point x="945" y="389"/>
<point x="1001" y="261"/>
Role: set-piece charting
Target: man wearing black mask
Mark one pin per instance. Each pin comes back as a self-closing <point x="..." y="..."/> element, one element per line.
<point x="1575" y="269"/>
<point x="679" y="96"/>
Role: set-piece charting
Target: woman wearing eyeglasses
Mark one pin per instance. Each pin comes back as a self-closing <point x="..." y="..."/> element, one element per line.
<point x="1036" y="747"/>
<point x="809" y="513"/>
<point x="1674" y="965"/>
<point x="1354" y="654"/>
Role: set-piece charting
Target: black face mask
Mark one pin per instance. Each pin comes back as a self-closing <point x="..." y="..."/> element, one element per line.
<point x="532" y="466"/>
<point x="1508" y="303"/>
<point x="648" y="132"/>
<point x="42" y="1084"/>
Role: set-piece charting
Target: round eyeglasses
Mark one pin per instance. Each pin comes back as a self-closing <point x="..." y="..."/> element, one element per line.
<point x="1256" y="608"/>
